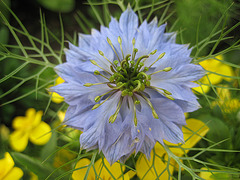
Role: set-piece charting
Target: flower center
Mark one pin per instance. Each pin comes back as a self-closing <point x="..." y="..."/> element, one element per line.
<point x="128" y="76"/>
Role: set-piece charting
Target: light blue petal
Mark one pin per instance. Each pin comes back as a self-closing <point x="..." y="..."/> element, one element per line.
<point x="171" y="132"/>
<point x="168" y="110"/>
<point x="188" y="106"/>
<point x="120" y="149"/>
<point x="84" y="40"/>
<point x="147" y="147"/>
<point x="128" y="24"/>
<point x="94" y="124"/>
<point x="142" y="39"/>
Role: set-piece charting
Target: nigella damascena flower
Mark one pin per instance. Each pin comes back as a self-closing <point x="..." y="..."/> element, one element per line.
<point x="127" y="87"/>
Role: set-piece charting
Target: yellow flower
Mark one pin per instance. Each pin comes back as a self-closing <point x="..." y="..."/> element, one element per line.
<point x="225" y="102"/>
<point x="7" y="169"/>
<point x="212" y="174"/>
<point x="192" y="133"/>
<point x="102" y="171"/>
<point x="206" y="174"/>
<point x="29" y="127"/>
<point x="214" y="66"/>
<point x="55" y="96"/>
<point x="62" y="157"/>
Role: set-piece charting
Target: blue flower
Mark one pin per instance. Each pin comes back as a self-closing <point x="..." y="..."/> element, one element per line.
<point x="128" y="87"/>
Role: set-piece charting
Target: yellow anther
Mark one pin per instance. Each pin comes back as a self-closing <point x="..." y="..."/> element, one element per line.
<point x="101" y="53"/>
<point x="96" y="64"/>
<point x="109" y="41"/>
<point x="96" y="72"/>
<point x="169" y="97"/>
<point x="167" y="92"/>
<point x="97" y="98"/>
<point x="88" y="84"/>
<point x="167" y="69"/>
<point x="95" y="106"/>
<point x="133" y="42"/>
<point x="112" y="118"/>
<point x="159" y="57"/>
<point x="93" y="62"/>
<point x="119" y="40"/>
<point x="153" y="52"/>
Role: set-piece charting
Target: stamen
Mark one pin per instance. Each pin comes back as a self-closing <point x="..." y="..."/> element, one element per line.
<point x="110" y="43"/>
<point x="138" y="131"/>
<point x="102" y="54"/>
<point x="150" y="129"/>
<point x="164" y="90"/>
<point x="98" y="98"/>
<point x="91" y="84"/>
<point x="165" y="69"/>
<point x="135" y="115"/>
<point x="133" y="42"/>
<point x="159" y="57"/>
<point x="151" y="53"/>
<point x="96" y="64"/>
<point x="114" y="116"/>
<point x="154" y="113"/>
<point x="169" y="97"/>
<point x="120" y="42"/>
<point x="164" y="93"/>
<point x="96" y="72"/>
<point x="97" y="105"/>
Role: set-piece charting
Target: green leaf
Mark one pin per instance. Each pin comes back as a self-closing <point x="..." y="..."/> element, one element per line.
<point x="218" y="131"/>
<point x="34" y="165"/>
<point x="49" y="148"/>
<point x="221" y="176"/>
<point x="58" y="5"/>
